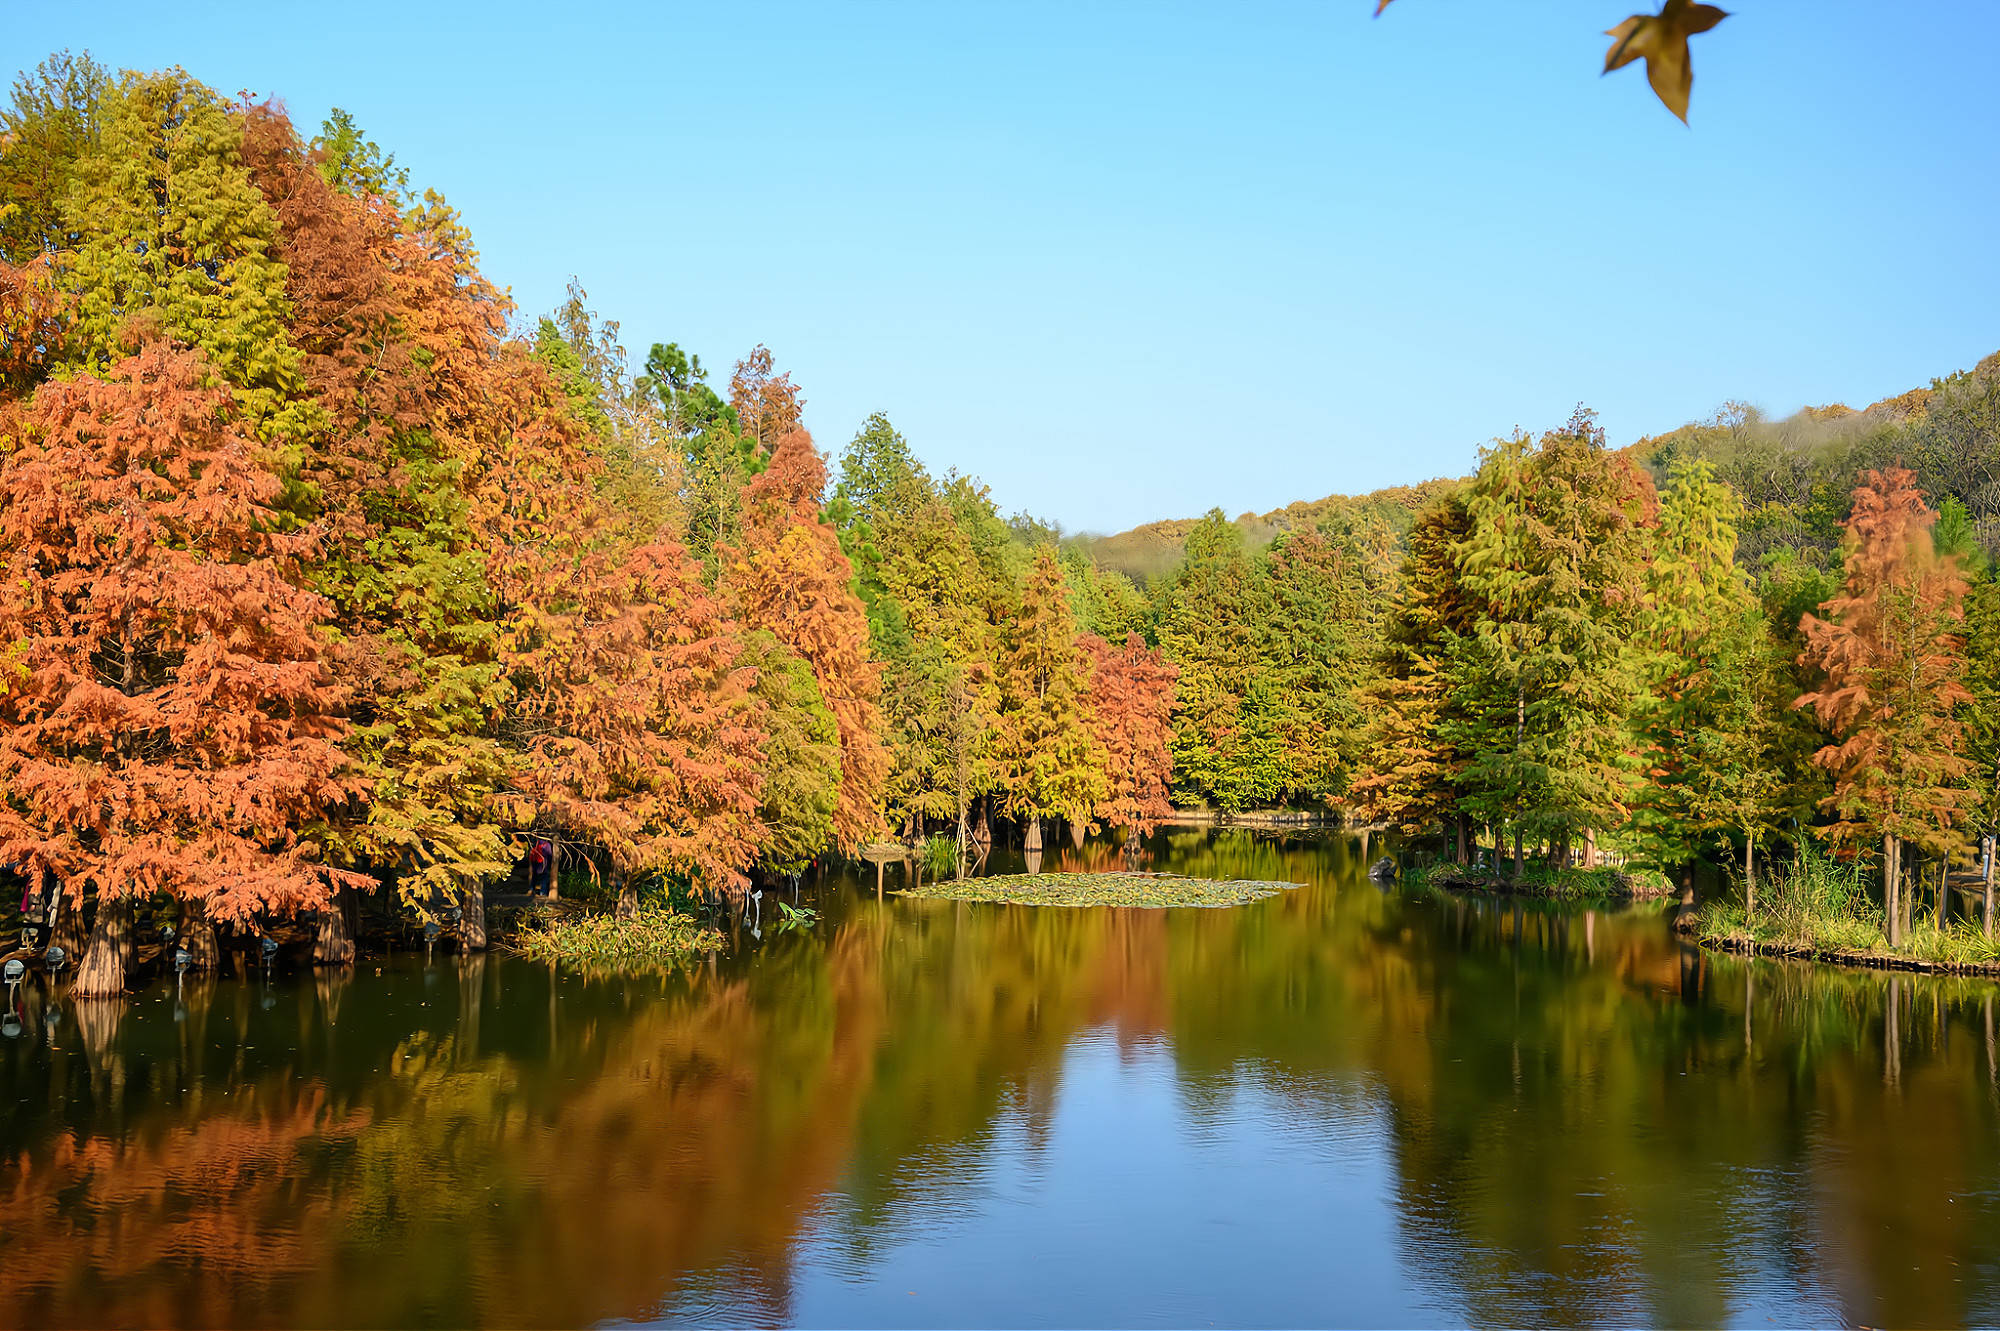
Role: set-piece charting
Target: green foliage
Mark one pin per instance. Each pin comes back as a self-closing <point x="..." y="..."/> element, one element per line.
<point x="801" y="757"/>
<point x="1711" y="714"/>
<point x="1048" y="754"/>
<point x="49" y="130"/>
<point x="170" y="228"/>
<point x="351" y="161"/>
<point x="1226" y="742"/>
<point x="1564" y="882"/>
<point x="596" y="942"/>
<point x="1543" y="683"/>
<point x="940" y="856"/>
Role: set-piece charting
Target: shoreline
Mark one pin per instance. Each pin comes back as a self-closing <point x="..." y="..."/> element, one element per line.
<point x="1853" y="958"/>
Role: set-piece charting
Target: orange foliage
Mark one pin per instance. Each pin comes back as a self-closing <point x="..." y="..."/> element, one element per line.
<point x="1131" y="693"/>
<point x="792" y="579"/>
<point x="31" y="321"/>
<point x="632" y="719"/>
<point x="768" y="406"/>
<point x="1892" y="657"/>
<point x="168" y="723"/>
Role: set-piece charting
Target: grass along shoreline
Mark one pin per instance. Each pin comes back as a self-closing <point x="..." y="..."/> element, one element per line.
<point x="1818" y="909"/>
<point x="1153" y="891"/>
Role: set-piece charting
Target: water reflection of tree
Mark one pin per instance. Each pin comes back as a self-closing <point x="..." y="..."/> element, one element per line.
<point x="1587" y="1122"/>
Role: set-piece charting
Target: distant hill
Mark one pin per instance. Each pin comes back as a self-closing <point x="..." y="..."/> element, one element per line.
<point x="1156" y="547"/>
<point x="1828" y="435"/>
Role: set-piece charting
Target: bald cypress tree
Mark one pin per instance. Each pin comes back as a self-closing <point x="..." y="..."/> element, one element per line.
<point x="1410" y="769"/>
<point x="1543" y="685"/>
<point x="1890" y="656"/>
<point x="170" y="228"/>
<point x="1050" y="760"/>
<point x="1708" y="721"/>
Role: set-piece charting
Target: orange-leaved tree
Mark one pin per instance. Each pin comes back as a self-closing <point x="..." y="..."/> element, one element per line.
<point x="792" y="580"/>
<point x="1891" y="658"/>
<point x="768" y="405"/>
<point x="1131" y="694"/>
<point x="168" y="724"/>
<point x="630" y="721"/>
<point x="400" y="347"/>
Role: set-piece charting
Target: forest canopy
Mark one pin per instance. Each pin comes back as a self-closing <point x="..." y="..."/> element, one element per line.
<point x="330" y="571"/>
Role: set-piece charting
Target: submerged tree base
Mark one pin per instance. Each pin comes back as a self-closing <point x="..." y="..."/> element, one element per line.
<point x="1539" y="880"/>
<point x="1151" y="890"/>
<point x="651" y="936"/>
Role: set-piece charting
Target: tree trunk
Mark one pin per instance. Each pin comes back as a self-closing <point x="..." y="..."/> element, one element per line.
<point x="1749" y="874"/>
<point x="333" y="945"/>
<point x="1590" y="848"/>
<point x="70" y="935"/>
<point x="101" y="973"/>
<point x="628" y="894"/>
<point x="1033" y="841"/>
<point x="198" y="937"/>
<point x="1461" y="838"/>
<point x="1986" y="892"/>
<point x="1943" y="886"/>
<point x="1889" y="910"/>
<point x="1517" y="854"/>
<point x="1076" y="830"/>
<point x="472" y="906"/>
<point x="964" y="839"/>
<point x="1909" y="882"/>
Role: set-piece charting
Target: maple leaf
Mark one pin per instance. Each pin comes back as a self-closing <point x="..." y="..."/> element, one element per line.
<point x="1661" y="40"/>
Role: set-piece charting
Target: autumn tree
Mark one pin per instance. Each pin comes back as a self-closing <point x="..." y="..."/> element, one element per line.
<point x="767" y="404"/>
<point x="1543" y="685"/>
<point x="170" y="725"/>
<point x="169" y="225"/>
<point x="1049" y="755"/>
<point x="397" y="341"/>
<point x="1890" y="658"/>
<point x="1130" y="698"/>
<point x="47" y="132"/>
<point x="927" y="590"/>
<point x="792" y="581"/>
<point x="1409" y="771"/>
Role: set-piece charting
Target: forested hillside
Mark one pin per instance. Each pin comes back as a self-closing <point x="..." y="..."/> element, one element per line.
<point x="330" y="571"/>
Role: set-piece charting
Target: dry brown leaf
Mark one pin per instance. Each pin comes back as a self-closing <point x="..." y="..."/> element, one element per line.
<point x="1661" y="40"/>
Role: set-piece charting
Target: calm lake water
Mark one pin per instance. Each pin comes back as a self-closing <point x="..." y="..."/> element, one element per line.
<point x="1344" y="1105"/>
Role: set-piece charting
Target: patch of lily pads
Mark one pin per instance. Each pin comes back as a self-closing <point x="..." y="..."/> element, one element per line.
<point x="1146" y="890"/>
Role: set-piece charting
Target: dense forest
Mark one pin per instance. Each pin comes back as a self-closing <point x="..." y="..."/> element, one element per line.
<point x="329" y="571"/>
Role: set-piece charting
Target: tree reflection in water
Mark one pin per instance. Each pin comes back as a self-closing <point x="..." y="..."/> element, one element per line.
<point x="1463" y="1109"/>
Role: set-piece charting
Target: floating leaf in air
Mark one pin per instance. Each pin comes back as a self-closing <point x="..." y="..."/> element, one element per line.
<point x="1661" y="40"/>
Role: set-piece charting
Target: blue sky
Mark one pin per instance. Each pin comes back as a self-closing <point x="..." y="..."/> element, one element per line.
<point x="1128" y="261"/>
